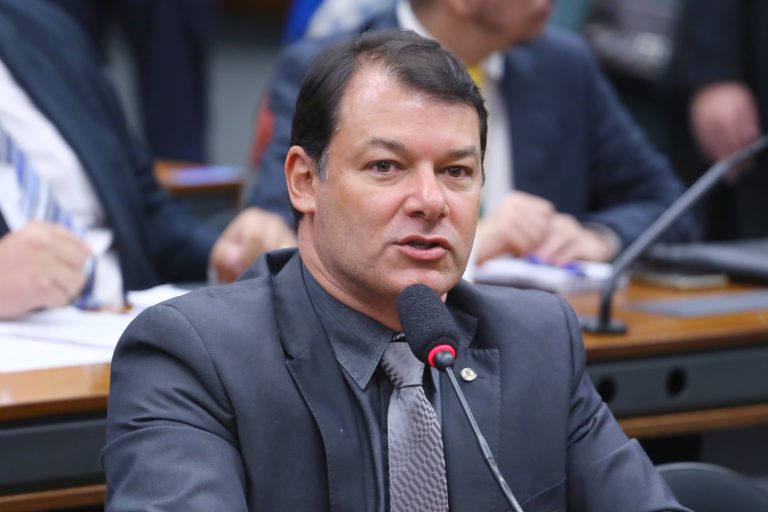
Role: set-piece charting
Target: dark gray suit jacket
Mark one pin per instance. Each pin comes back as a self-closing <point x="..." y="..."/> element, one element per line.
<point x="231" y="398"/>
<point x="57" y="66"/>
<point x="572" y="141"/>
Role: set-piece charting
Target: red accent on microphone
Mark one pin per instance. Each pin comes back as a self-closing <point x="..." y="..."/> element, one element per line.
<point x="437" y="350"/>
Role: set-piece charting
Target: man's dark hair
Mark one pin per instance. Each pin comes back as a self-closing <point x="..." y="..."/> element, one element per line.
<point x="416" y="62"/>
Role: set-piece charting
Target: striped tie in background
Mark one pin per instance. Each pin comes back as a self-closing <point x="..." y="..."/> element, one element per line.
<point x="39" y="203"/>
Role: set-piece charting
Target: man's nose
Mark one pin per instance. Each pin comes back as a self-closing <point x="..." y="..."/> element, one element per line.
<point x="426" y="195"/>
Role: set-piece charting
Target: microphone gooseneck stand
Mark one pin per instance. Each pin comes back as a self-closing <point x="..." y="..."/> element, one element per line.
<point x="433" y="338"/>
<point x="443" y="361"/>
<point x="604" y="324"/>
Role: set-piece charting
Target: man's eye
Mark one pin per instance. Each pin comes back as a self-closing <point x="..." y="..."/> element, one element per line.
<point x="383" y="166"/>
<point x="457" y="172"/>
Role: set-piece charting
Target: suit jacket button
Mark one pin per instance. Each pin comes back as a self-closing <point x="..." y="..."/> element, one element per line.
<point x="468" y="374"/>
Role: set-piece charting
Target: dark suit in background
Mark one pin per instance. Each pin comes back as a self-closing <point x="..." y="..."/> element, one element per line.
<point x="169" y="41"/>
<point x="57" y="66"/>
<point x="572" y="142"/>
<point x="726" y="41"/>
<point x="232" y="399"/>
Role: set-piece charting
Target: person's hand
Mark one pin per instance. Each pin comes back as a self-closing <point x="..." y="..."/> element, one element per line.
<point x="724" y="119"/>
<point x="41" y="266"/>
<point x="251" y="233"/>
<point x="517" y="226"/>
<point x="568" y="240"/>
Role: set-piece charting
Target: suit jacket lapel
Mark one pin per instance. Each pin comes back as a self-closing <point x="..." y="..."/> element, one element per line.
<point x="316" y="372"/>
<point x="470" y="483"/>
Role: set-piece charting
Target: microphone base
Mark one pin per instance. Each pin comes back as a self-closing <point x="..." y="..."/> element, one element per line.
<point x="594" y="325"/>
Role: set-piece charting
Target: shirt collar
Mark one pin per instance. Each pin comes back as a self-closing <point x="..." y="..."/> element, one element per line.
<point x="357" y="340"/>
<point x="493" y="65"/>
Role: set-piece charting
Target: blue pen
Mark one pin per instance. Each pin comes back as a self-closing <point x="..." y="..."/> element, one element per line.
<point x="575" y="268"/>
<point x="572" y="267"/>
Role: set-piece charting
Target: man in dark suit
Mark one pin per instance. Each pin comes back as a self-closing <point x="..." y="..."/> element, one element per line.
<point x="60" y="109"/>
<point x="721" y="66"/>
<point x="272" y="393"/>
<point x="570" y="175"/>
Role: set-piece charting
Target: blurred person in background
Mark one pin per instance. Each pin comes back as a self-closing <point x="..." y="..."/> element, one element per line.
<point x="82" y="218"/>
<point x="721" y="66"/>
<point x="569" y="175"/>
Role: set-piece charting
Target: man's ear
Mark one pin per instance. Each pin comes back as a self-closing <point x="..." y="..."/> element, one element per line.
<point x="300" y="178"/>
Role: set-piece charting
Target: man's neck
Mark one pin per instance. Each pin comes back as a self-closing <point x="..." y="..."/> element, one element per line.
<point x="381" y="309"/>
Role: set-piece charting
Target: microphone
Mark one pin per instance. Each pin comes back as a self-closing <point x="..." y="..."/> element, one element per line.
<point x="428" y="326"/>
<point x="604" y="324"/>
<point x="434" y="339"/>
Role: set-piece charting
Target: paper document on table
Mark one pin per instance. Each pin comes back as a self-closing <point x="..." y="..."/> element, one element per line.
<point x="94" y="328"/>
<point x="142" y="299"/>
<point x="69" y="336"/>
<point x="579" y="276"/>
<point x="70" y="325"/>
<point x="21" y="354"/>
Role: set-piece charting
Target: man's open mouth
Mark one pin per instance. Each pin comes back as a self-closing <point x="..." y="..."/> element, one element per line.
<point x="423" y="245"/>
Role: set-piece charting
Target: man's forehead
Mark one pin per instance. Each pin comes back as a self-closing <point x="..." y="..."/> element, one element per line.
<point x="370" y="81"/>
<point x="374" y="87"/>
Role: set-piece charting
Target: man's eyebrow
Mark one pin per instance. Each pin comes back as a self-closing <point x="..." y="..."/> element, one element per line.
<point x="394" y="145"/>
<point x="464" y="152"/>
<point x="387" y="143"/>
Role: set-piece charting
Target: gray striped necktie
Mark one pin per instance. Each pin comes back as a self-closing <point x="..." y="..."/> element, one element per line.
<point x="38" y="202"/>
<point x="417" y="481"/>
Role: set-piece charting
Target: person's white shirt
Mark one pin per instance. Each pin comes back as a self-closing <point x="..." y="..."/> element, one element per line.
<point x="53" y="160"/>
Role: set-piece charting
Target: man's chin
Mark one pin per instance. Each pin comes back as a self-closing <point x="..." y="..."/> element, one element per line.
<point x="441" y="282"/>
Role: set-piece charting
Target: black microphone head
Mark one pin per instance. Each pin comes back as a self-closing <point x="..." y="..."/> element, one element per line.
<point x="427" y="324"/>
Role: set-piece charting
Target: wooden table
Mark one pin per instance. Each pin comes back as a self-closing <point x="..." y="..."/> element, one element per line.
<point x="61" y="398"/>
<point x="684" y="375"/>
<point x="51" y="433"/>
<point x="186" y="178"/>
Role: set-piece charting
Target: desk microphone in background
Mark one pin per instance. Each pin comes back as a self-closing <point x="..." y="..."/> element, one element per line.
<point x="604" y="324"/>
<point x="433" y="338"/>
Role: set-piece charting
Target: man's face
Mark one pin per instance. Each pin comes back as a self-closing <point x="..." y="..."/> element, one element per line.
<point x="512" y="21"/>
<point x="401" y="200"/>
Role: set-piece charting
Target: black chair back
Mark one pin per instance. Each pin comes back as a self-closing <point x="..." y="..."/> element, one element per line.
<point x="709" y="488"/>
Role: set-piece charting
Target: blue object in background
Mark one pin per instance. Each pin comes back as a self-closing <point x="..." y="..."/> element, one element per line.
<point x="569" y="14"/>
<point x="298" y="18"/>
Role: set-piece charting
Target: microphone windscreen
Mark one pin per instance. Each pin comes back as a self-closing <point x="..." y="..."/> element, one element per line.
<point x="425" y="320"/>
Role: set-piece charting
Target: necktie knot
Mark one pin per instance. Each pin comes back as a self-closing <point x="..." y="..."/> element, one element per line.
<point x="401" y="366"/>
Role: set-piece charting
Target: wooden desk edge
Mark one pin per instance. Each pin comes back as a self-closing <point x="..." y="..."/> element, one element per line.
<point x="97" y="404"/>
<point x="167" y="174"/>
<point x="54" y="391"/>
<point x="646" y="427"/>
<point x="598" y="351"/>
<point x="88" y="495"/>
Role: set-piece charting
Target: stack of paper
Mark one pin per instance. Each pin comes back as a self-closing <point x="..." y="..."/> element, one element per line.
<point x="69" y="336"/>
<point x="526" y="273"/>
